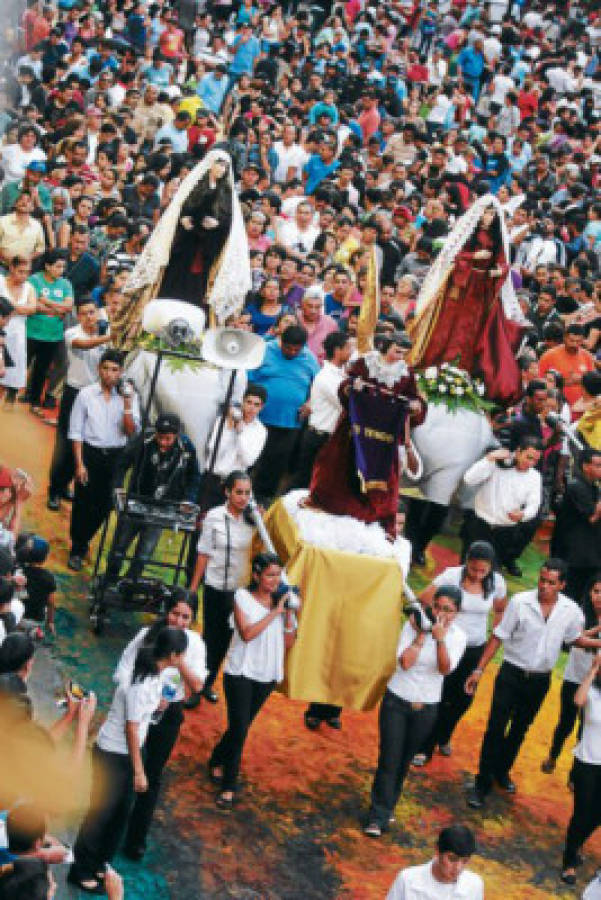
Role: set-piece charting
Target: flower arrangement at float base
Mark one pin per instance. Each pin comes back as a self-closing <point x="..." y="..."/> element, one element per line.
<point x="454" y="387"/>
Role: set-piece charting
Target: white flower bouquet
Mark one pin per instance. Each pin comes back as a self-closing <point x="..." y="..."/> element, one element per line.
<point x="454" y="387"/>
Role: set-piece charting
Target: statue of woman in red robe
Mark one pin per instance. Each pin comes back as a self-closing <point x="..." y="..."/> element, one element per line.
<point x="338" y="484"/>
<point x="461" y="313"/>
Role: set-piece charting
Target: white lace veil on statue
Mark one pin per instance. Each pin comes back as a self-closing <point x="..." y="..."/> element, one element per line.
<point x="455" y="242"/>
<point x="232" y="280"/>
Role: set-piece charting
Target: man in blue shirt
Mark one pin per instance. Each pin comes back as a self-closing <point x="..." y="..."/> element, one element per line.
<point x="246" y="48"/>
<point x="175" y="132"/>
<point x="213" y="88"/>
<point x="287" y="373"/>
<point x="320" y="164"/>
<point x="471" y="64"/>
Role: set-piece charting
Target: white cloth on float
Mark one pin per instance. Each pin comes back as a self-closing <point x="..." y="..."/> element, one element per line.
<point x="322" y="529"/>
<point x="193" y="394"/>
<point x="448" y="443"/>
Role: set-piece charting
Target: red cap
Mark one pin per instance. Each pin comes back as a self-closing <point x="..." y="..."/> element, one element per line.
<point x="6" y="478"/>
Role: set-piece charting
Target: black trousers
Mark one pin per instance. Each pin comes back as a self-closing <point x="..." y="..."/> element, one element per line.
<point x="62" y="467"/>
<point x="217" y="607"/>
<point x="454" y="702"/>
<point x="404" y="727"/>
<point x="157" y="750"/>
<point x="244" y="697"/>
<point x="517" y="698"/>
<point x="274" y="461"/>
<point x="147" y="536"/>
<point x="509" y="541"/>
<point x="41" y="355"/>
<point x="311" y="443"/>
<point x="568" y="714"/>
<point x="587" y="809"/>
<point x="93" y="501"/>
<point x="424" y="521"/>
<point x="100" y="833"/>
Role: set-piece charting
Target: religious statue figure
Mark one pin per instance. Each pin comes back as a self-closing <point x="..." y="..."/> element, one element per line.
<point x="198" y="252"/>
<point x="467" y="312"/>
<point x="356" y="473"/>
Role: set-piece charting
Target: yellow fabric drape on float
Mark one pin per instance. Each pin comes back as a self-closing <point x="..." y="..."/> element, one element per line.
<point x="349" y="626"/>
<point x="370" y="306"/>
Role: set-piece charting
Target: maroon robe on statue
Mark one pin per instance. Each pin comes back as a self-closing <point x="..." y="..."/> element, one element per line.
<point x="335" y="484"/>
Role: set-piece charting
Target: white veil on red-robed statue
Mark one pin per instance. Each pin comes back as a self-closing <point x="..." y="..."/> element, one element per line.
<point x="467" y="310"/>
<point x="228" y="280"/>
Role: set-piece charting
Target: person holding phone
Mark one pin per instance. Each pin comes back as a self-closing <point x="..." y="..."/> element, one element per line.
<point x="426" y="654"/>
<point x="264" y="629"/>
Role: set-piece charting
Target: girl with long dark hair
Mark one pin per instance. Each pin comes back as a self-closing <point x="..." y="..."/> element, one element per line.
<point x="578" y="664"/>
<point x="482" y="590"/>
<point x="117" y="765"/>
<point x="263" y="630"/>
<point x="204" y="225"/>
<point x="180" y="612"/>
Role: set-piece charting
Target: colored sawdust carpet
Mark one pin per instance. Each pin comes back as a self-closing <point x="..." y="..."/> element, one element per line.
<point x="295" y="832"/>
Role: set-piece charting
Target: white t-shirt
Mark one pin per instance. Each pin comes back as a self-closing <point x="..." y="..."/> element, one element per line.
<point x="131" y="703"/>
<point x="17" y="608"/>
<point x="289" y="157"/>
<point x="261" y="659"/>
<point x="418" y="883"/>
<point x="83" y="364"/>
<point x="472" y="618"/>
<point x="195" y="658"/>
<point x="422" y="683"/>
<point x="578" y="664"/>
<point x="588" y="748"/>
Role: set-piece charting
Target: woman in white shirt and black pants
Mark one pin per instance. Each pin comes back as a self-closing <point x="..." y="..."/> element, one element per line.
<point x="586" y="774"/>
<point x="410" y="705"/>
<point x="482" y="590"/>
<point x="263" y="630"/>
<point x="180" y="612"/>
<point x="222" y="561"/>
<point x="117" y="765"/>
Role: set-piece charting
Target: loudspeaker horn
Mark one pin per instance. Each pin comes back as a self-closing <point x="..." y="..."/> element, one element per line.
<point x="231" y="348"/>
<point x="160" y="313"/>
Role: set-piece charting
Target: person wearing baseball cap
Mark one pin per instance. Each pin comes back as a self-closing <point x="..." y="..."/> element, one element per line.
<point x="31" y="182"/>
<point x="168" y="471"/>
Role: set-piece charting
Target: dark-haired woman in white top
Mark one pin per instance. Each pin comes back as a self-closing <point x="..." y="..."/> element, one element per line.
<point x="263" y="630"/>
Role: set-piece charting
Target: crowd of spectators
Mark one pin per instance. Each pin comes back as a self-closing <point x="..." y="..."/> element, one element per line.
<point x="350" y="128"/>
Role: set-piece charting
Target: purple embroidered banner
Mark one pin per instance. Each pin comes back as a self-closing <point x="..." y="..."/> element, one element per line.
<point x="377" y="420"/>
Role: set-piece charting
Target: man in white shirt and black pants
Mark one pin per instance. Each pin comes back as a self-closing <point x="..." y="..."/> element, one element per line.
<point x="324" y="405"/>
<point x="85" y="344"/>
<point x="508" y="497"/>
<point x="105" y="415"/>
<point x="533" y="629"/>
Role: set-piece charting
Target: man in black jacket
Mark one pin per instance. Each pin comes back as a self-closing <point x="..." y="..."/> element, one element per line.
<point x="577" y="536"/>
<point x="168" y="471"/>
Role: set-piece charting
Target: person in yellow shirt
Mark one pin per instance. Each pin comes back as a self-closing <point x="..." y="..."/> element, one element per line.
<point x="589" y="424"/>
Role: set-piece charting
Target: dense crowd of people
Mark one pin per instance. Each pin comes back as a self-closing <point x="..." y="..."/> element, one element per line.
<point x="352" y="136"/>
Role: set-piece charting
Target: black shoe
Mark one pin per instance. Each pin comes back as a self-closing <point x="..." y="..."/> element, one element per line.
<point x="210" y="695"/>
<point x="53" y="503"/>
<point x="75" y="562"/>
<point x="334" y="723"/>
<point x="513" y="569"/>
<point x="419" y="558"/>
<point x="193" y="700"/>
<point x="506" y="784"/>
<point x="49" y="402"/>
<point x="312" y="722"/>
<point x="476" y="799"/>
<point x="68" y="495"/>
<point x="568" y="878"/>
<point x="134" y="853"/>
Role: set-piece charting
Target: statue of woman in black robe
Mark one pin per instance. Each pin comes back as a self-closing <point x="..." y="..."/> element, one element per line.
<point x="203" y="229"/>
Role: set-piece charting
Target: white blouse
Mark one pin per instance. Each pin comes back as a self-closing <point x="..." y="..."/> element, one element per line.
<point x="195" y="658"/>
<point x="588" y="748"/>
<point x="422" y="683"/>
<point x="261" y="659"/>
<point x="131" y="703"/>
<point x="472" y="618"/>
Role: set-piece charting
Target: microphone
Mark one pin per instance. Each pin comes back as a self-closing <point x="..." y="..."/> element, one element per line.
<point x="555" y="421"/>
